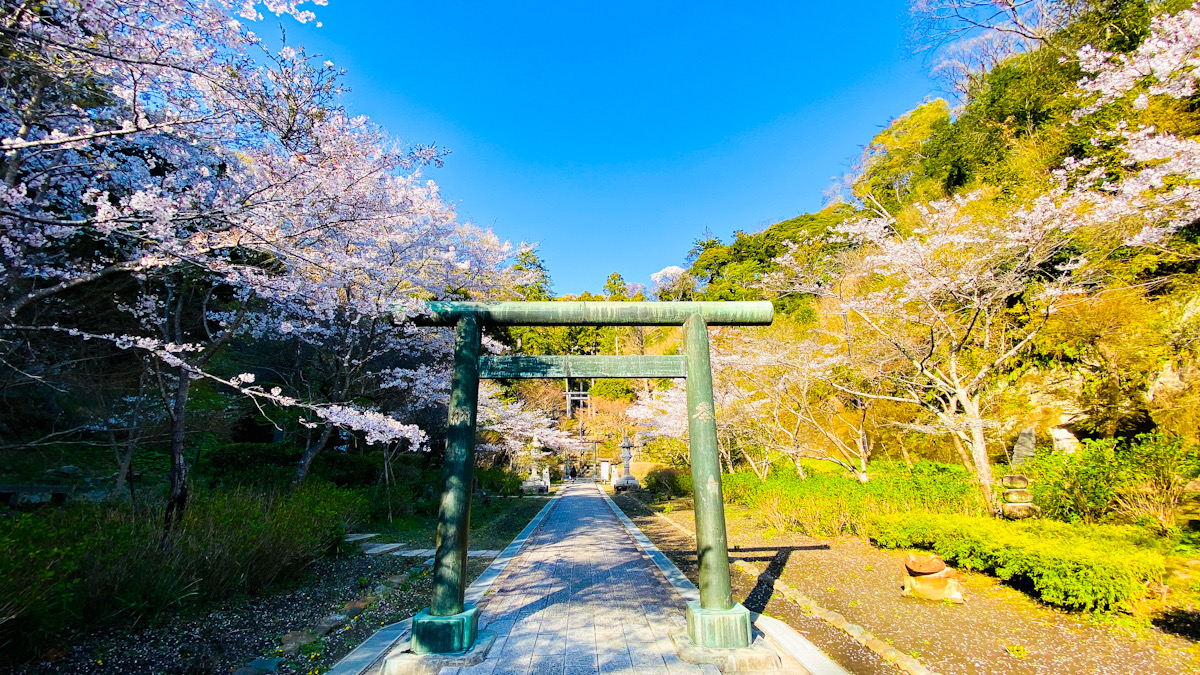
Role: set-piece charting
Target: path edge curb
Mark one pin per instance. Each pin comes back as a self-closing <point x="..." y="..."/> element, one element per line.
<point x="784" y="636"/>
<point x="370" y="654"/>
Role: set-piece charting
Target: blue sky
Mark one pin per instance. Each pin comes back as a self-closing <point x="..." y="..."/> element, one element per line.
<point x="614" y="134"/>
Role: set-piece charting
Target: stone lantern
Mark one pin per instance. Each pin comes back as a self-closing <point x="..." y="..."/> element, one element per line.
<point x="536" y="483"/>
<point x="627" y="481"/>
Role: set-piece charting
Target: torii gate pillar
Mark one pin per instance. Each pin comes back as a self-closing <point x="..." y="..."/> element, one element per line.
<point x="449" y="625"/>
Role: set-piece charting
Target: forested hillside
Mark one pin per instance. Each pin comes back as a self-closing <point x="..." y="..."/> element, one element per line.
<point x="1025" y="258"/>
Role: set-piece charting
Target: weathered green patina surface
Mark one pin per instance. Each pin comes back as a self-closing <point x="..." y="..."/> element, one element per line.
<point x="454" y="513"/>
<point x="524" y="367"/>
<point x="597" y="313"/>
<point x="715" y="621"/>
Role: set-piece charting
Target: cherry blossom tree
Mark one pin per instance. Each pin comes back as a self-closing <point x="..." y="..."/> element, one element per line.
<point x="158" y="144"/>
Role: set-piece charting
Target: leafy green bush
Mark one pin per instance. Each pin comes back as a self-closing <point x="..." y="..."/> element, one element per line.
<point x="498" y="481"/>
<point x="258" y="464"/>
<point x="1078" y="486"/>
<point x="669" y="482"/>
<point x="1141" y="478"/>
<point x="92" y="563"/>
<point x="345" y="469"/>
<point x="1094" y="568"/>
<point x="825" y="504"/>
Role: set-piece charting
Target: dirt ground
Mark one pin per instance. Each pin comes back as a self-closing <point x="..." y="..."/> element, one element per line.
<point x="999" y="630"/>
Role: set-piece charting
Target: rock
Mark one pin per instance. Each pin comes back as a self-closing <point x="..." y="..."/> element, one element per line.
<point x="1024" y="450"/>
<point x="331" y="623"/>
<point x="1019" y="511"/>
<point x="265" y="665"/>
<point x="943" y="585"/>
<point x="382" y="590"/>
<point x="298" y="638"/>
<point x="923" y="564"/>
<point x="69" y="470"/>
<point x="1015" y="482"/>
<point x="835" y="619"/>
<point x="355" y="607"/>
<point x="395" y="580"/>
<point x="289" y="649"/>
<point x="1064" y="441"/>
<point x="878" y="646"/>
<point x="1018" y="496"/>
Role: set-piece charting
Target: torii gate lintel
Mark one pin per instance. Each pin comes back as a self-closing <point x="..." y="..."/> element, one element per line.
<point x="450" y="625"/>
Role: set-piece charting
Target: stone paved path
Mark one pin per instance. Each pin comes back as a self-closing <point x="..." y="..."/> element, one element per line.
<point x="580" y="598"/>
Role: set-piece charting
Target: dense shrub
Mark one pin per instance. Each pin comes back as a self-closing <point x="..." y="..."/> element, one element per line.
<point x="1073" y="566"/>
<point x="1078" y="486"/>
<point x="1139" y="478"/>
<point x="825" y="504"/>
<point x="91" y="563"/>
<point x="669" y="482"/>
<point x="259" y="464"/>
<point x="498" y="481"/>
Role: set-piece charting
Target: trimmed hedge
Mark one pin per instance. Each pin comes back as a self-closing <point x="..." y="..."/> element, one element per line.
<point x="1072" y="566"/>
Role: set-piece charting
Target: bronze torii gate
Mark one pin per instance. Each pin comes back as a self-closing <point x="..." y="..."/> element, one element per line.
<point x="715" y="621"/>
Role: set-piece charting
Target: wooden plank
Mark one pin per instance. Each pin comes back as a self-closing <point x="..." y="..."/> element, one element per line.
<point x="533" y="367"/>
<point x="756" y="313"/>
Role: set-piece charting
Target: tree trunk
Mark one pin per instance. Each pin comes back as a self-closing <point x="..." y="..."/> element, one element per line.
<point x="125" y="463"/>
<point x="178" y="496"/>
<point x="983" y="468"/>
<point x="904" y="453"/>
<point x="311" y="453"/>
<point x="962" y="452"/>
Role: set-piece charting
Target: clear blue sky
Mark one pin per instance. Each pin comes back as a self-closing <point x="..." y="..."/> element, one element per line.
<point x="614" y="134"/>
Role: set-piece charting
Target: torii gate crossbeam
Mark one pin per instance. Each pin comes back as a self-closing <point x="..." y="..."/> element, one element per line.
<point x="715" y="621"/>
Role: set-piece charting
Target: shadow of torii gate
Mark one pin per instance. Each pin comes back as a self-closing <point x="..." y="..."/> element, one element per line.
<point x="715" y="620"/>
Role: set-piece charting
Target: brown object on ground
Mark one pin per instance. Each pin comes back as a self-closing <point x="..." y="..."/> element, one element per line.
<point x="919" y="565"/>
<point x="1015" y="482"/>
<point x="355" y="607"/>
<point x="943" y="585"/>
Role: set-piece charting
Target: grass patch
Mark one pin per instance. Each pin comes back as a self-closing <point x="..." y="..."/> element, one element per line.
<point x="826" y="504"/>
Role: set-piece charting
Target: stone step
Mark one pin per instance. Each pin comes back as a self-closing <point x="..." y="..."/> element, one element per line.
<point x="359" y="537"/>
<point x="380" y="549"/>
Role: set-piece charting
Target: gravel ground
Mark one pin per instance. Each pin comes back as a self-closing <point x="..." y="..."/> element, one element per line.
<point x="226" y="637"/>
<point x="999" y="630"/>
<point x="678" y="545"/>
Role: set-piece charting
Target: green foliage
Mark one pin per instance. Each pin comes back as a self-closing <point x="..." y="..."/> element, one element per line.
<point x="614" y="390"/>
<point x="261" y="464"/>
<point x="1080" y="567"/>
<point x="669" y="482"/>
<point x="498" y="481"/>
<point x="95" y="563"/>
<point x="732" y="272"/>
<point x="1079" y="486"/>
<point x="1140" y="478"/>
<point x="828" y="504"/>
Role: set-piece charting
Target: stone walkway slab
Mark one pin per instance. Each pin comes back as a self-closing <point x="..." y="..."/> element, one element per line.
<point x="581" y="598"/>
